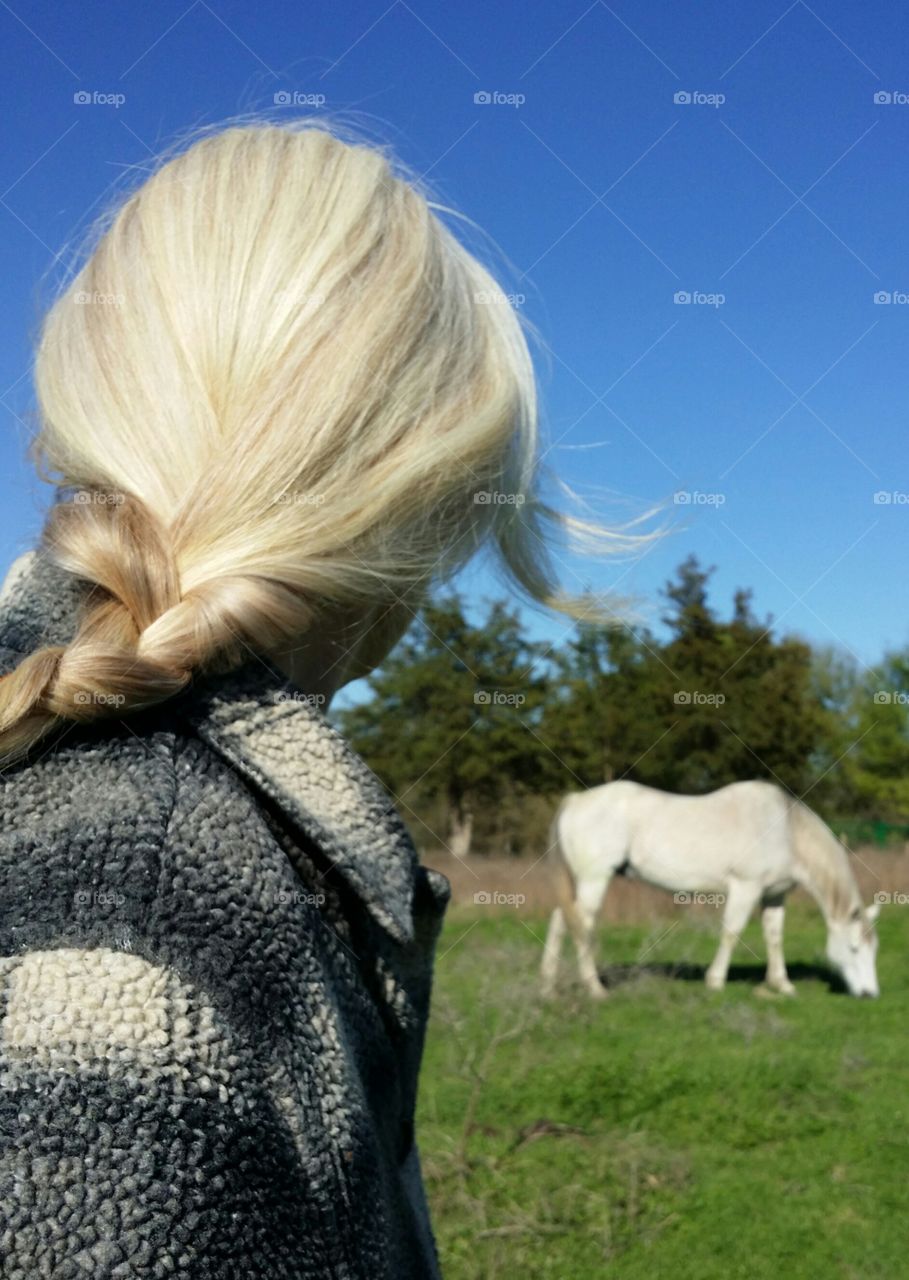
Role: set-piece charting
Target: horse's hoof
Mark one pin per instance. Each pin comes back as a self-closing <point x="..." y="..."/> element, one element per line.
<point x="714" y="984"/>
<point x="770" y="991"/>
<point x="598" y="993"/>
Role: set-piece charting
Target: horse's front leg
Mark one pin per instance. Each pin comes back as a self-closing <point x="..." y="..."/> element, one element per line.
<point x="772" y="923"/>
<point x="740" y="902"/>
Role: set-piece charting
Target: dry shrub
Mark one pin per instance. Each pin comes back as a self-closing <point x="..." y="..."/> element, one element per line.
<point x="878" y="871"/>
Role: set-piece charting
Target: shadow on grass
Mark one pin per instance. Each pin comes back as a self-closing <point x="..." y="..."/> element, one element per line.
<point x="617" y="975"/>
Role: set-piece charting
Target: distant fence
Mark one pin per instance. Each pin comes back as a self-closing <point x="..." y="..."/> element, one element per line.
<point x="856" y="831"/>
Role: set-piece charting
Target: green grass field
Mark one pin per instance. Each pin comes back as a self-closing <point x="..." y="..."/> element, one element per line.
<point x="667" y="1132"/>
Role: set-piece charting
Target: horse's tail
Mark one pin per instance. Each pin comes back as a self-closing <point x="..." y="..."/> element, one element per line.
<point x="559" y="867"/>
<point x="565" y="890"/>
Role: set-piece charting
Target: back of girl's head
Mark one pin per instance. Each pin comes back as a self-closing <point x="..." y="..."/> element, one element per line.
<point x="276" y="394"/>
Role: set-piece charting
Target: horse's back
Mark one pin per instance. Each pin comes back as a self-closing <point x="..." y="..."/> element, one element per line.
<point x="680" y="841"/>
<point x="738" y="831"/>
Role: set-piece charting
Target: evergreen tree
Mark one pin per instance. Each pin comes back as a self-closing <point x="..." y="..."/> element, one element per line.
<point x="477" y="731"/>
<point x="452" y="716"/>
<point x="876" y="764"/>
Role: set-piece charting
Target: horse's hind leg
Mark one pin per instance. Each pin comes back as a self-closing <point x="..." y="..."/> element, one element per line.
<point x="772" y="922"/>
<point x="740" y="902"/>
<point x="581" y="916"/>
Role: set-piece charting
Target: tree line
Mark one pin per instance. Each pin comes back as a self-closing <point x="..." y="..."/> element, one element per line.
<point x="477" y="729"/>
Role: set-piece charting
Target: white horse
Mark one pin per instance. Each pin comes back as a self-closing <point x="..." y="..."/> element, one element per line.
<point x="749" y="842"/>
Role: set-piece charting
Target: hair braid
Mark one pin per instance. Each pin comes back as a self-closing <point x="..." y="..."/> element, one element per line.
<point x="139" y="640"/>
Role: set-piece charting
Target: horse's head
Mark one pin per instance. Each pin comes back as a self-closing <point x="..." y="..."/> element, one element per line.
<point x="852" y="950"/>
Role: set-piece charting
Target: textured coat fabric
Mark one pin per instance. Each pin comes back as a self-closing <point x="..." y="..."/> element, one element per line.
<point x="215" y="960"/>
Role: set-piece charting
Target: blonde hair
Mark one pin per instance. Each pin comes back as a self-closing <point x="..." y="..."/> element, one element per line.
<point x="279" y="387"/>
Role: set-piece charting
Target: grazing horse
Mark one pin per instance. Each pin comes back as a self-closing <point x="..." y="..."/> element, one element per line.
<point x="749" y="842"/>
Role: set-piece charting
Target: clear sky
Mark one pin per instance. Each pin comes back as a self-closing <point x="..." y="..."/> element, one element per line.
<point x="776" y="197"/>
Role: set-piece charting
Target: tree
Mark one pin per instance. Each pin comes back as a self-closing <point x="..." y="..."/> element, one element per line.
<point x="876" y="763"/>
<point x="452" y="716"/>
<point x="602" y="712"/>
<point x="713" y="702"/>
<point x="477" y="730"/>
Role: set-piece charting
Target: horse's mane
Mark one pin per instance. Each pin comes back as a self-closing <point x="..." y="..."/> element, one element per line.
<point x="826" y="862"/>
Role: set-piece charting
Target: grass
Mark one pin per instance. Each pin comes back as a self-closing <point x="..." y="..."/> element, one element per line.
<point x="667" y="1131"/>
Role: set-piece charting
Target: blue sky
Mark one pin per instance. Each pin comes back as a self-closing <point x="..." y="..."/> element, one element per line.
<point x="776" y="197"/>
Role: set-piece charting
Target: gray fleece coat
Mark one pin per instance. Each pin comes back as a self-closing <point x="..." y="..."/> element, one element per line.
<point x="215" y="957"/>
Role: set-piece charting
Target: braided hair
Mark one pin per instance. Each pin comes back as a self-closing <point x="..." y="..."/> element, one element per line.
<point x="139" y="640"/>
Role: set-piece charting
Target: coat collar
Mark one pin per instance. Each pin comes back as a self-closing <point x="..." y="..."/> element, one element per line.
<point x="270" y="733"/>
